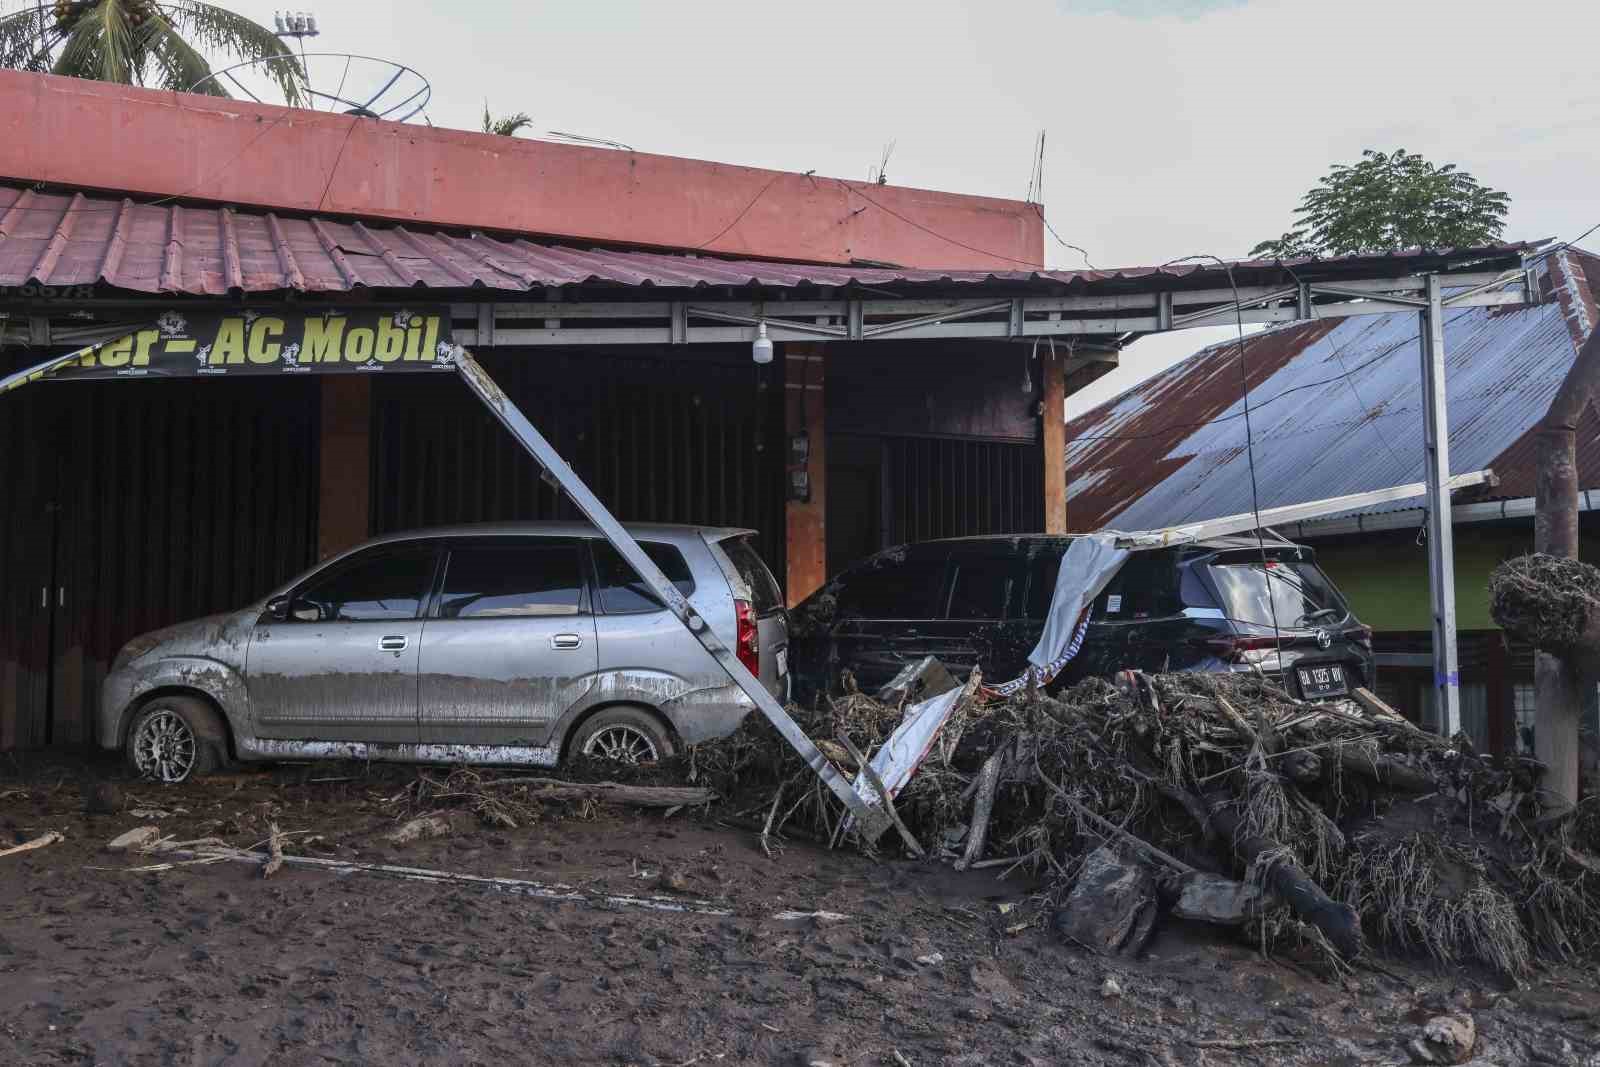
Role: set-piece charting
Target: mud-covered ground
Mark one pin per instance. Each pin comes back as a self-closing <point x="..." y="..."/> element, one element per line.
<point x="213" y="964"/>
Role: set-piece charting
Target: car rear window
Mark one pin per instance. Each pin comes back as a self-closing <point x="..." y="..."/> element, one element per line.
<point x="1286" y="592"/>
<point x="765" y="595"/>
<point x="623" y="592"/>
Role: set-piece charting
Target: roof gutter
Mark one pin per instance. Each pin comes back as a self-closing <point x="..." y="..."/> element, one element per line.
<point x="1460" y="515"/>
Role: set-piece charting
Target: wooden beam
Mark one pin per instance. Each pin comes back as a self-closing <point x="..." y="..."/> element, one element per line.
<point x="805" y="521"/>
<point x="345" y="492"/>
<point x="1053" y="412"/>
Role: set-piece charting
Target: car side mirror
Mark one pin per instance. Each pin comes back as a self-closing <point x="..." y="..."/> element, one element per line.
<point x="277" y="608"/>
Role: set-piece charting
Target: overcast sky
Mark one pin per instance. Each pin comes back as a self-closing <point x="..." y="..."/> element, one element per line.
<point x="1174" y="127"/>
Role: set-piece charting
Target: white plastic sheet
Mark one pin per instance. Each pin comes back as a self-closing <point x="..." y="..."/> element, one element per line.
<point x="908" y="745"/>
<point x="1087" y="568"/>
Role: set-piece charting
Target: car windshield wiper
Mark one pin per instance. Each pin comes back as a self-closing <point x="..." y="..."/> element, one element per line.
<point x="1313" y="616"/>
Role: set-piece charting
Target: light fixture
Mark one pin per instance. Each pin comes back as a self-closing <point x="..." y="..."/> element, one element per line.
<point x="761" y="350"/>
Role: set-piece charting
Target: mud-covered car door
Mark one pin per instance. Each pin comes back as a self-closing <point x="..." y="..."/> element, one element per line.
<point x="510" y="644"/>
<point x="886" y="608"/>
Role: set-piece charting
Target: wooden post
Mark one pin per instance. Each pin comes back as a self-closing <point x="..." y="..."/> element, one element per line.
<point x="806" y="530"/>
<point x="1054" y="441"/>
<point x="344" y="499"/>
<point x="1500" y="702"/>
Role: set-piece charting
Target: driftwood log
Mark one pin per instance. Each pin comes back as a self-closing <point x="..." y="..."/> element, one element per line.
<point x="1338" y="922"/>
<point x="988" y="783"/>
<point x="639" y="796"/>
<point x="1387" y="771"/>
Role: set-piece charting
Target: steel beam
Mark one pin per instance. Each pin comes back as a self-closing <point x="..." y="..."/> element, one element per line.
<point x="1307" y="512"/>
<point x="1441" y="533"/>
<point x="872" y="820"/>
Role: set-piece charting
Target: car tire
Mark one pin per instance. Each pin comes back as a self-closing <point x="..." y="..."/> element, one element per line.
<point x="175" y="739"/>
<point x="627" y="735"/>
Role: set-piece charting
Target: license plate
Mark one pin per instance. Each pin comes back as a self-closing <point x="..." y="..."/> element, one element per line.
<point x="783" y="662"/>
<point x="1322" y="681"/>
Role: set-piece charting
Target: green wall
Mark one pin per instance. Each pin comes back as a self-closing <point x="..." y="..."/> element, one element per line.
<point x="1384" y="576"/>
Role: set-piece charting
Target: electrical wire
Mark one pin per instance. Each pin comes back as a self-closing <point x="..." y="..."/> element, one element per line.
<point x="1250" y="452"/>
<point x="1197" y="423"/>
<point x="848" y="188"/>
<point x="740" y="216"/>
<point x="1338" y="354"/>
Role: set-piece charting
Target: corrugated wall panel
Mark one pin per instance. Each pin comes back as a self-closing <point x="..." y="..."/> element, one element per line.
<point x="142" y="504"/>
<point x="182" y="499"/>
<point x="939" y="487"/>
<point x="692" y="437"/>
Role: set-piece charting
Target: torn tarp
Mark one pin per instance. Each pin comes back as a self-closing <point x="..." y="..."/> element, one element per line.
<point x="903" y="753"/>
<point x="1087" y="567"/>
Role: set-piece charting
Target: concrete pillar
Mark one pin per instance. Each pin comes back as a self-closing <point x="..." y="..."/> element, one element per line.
<point x="344" y="498"/>
<point x="1054" y="441"/>
<point x="805" y="523"/>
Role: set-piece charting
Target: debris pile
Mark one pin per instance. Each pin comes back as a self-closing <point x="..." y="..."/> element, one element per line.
<point x="1548" y="601"/>
<point x="1219" y="798"/>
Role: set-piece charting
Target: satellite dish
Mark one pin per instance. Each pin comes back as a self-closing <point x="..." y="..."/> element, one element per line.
<point x="334" y="81"/>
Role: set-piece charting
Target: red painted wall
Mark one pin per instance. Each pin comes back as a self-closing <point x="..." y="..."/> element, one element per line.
<point x="147" y="142"/>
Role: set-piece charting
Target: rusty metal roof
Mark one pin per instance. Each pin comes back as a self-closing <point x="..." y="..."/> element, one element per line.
<point x="69" y="238"/>
<point x="1335" y="408"/>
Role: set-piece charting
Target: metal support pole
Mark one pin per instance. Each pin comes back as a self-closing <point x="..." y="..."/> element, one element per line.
<point x="871" y="819"/>
<point x="1441" y="537"/>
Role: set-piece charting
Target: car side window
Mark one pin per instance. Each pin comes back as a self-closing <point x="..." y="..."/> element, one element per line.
<point x="893" y="589"/>
<point x="513" y="580"/>
<point x="388" y="584"/>
<point x="1145" y="588"/>
<point x="1043" y="572"/>
<point x="982" y="585"/>
<point x="622" y="592"/>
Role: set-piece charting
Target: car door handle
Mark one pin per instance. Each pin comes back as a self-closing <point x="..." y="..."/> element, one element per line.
<point x="565" y="641"/>
<point x="393" y="643"/>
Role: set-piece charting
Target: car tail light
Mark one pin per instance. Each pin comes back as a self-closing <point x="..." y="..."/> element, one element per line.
<point x="747" y="645"/>
<point x="1232" y="649"/>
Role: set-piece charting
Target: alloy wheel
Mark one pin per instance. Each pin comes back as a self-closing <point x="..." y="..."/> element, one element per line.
<point x="624" y="744"/>
<point x="164" y="747"/>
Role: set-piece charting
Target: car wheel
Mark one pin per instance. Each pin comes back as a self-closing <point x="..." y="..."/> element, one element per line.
<point x="625" y="735"/>
<point x="174" y="739"/>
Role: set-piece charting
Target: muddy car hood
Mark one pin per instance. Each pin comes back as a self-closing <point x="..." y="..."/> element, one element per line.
<point x="220" y="637"/>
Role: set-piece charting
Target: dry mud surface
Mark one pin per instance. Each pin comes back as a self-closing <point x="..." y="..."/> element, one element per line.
<point x="213" y="964"/>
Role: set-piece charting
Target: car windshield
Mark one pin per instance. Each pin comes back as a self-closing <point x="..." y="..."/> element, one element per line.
<point x="1284" y="593"/>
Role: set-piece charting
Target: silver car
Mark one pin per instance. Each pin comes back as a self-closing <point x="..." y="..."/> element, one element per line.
<point x="514" y="643"/>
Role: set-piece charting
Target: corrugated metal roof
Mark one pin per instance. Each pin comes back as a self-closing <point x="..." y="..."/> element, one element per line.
<point x="74" y="238"/>
<point x="1335" y="408"/>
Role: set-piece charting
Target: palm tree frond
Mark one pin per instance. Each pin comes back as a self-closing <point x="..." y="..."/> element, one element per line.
<point x="216" y="29"/>
<point x="180" y="66"/>
<point x="506" y="125"/>
<point x="26" y="39"/>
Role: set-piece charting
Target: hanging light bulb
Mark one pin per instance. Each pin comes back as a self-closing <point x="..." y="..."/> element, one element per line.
<point x="761" y="350"/>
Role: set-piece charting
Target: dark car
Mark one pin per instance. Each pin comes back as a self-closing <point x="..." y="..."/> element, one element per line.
<point x="1228" y="604"/>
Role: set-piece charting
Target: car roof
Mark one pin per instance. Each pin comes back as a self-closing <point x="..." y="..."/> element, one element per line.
<point x="1210" y="544"/>
<point x="648" y="531"/>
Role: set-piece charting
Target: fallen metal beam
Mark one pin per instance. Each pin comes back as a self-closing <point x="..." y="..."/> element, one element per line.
<point x="1254" y="520"/>
<point x="870" y="819"/>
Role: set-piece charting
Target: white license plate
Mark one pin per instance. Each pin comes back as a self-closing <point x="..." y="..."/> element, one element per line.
<point x="1322" y="681"/>
<point x="783" y="662"/>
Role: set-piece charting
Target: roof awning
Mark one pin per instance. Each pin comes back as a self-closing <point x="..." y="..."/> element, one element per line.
<point x="76" y="238"/>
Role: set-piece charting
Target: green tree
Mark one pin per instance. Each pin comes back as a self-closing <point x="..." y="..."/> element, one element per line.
<point x="1388" y="202"/>
<point x="505" y="125"/>
<point x="143" y="42"/>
